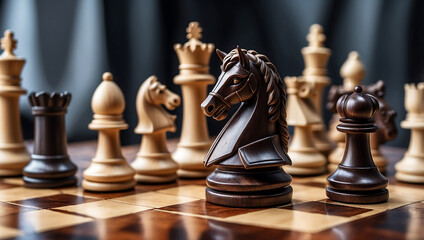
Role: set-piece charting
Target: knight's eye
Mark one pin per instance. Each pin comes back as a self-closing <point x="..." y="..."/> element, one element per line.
<point x="159" y="91"/>
<point x="236" y="81"/>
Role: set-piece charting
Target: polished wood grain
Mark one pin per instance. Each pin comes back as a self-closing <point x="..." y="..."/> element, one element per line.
<point x="198" y="219"/>
<point x="327" y="209"/>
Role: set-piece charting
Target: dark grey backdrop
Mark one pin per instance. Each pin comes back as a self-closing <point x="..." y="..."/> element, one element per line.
<point x="69" y="44"/>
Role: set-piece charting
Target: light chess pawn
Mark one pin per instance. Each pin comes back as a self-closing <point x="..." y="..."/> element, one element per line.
<point x="109" y="170"/>
<point x="154" y="163"/>
<point x="411" y="167"/>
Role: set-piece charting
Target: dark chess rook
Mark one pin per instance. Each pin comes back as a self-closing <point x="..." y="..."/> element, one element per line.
<point x="50" y="165"/>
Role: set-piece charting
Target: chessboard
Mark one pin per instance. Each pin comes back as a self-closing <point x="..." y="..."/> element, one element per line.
<point x="178" y="210"/>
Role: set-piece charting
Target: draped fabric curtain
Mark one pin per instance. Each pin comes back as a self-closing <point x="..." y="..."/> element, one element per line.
<point x="68" y="44"/>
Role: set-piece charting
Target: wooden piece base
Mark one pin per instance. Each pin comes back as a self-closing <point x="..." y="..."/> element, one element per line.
<point x="410" y="169"/>
<point x="236" y="187"/>
<point x="10" y="173"/>
<point x="13" y="160"/>
<point x="190" y="160"/>
<point x="305" y="171"/>
<point x="252" y="199"/>
<point x="108" y="187"/>
<point x="155" y="168"/>
<point x="49" y="172"/>
<point x="409" y="178"/>
<point x="306" y="163"/>
<point x="368" y="197"/>
<point x="345" y="182"/>
<point x="186" y="173"/>
<point x="145" y="178"/>
<point x="49" y="183"/>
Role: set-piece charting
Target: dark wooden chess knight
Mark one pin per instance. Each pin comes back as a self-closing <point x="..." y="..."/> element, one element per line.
<point x="357" y="179"/>
<point x="50" y="165"/>
<point x="251" y="148"/>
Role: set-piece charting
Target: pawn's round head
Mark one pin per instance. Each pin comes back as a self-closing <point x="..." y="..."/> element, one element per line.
<point x="357" y="106"/>
<point x="108" y="98"/>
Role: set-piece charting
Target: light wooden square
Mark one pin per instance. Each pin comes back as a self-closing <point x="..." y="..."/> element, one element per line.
<point x="289" y="220"/>
<point x="6" y="232"/>
<point x="306" y="193"/>
<point x="77" y="191"/>
<point x="21" y="193"/>
<point x="17" y="181"/>
<point x="398" y="196"/>
<point x="103" y="209"/>
<point x="154" y="199"/>
<point x="43" y="220"/>
<point x="193" y="191"/>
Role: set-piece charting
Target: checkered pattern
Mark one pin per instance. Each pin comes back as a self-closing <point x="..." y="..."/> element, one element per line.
<point x="54" y="212"/>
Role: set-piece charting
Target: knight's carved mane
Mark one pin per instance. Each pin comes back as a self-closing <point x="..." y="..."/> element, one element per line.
<point x="275" y="88"/>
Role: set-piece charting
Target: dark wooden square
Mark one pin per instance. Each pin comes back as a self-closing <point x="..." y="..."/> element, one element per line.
<point x="201" y="207"/>
<point x="7" y="208"/>
<point x="327" y="209"/>
<point x="55" y="201"/>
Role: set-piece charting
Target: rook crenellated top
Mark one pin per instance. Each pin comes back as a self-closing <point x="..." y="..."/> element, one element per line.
<point x="50" y="100"/>
<point x="414" y="102"/>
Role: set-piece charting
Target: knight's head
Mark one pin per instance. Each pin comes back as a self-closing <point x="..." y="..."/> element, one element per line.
<point x="158" y="94"/>
<point x="385" y="117"/>
<point x="236" y="84"/>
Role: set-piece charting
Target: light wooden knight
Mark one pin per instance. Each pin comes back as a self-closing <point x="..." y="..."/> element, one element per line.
<point x="194" y="77"/>
<point x="13" y="153"/>
<point x="411" y="167"/>
<point x="154" y="163"/>
<point x="316" y="58"/>
<point x="306" y="158"/>
<point x="109" y="170"/>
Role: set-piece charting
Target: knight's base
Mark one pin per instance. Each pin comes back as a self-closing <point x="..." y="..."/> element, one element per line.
<point x="269" y="198"/>
<point x="366" y="197"/>
<point x="239" y="187"/>
<point x="49" y="183"/>
<point x="108" y="186"/>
